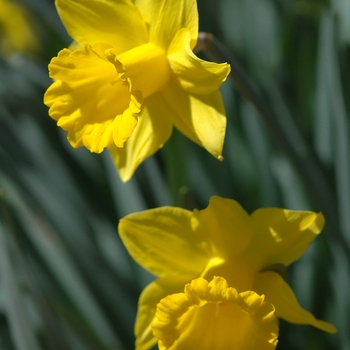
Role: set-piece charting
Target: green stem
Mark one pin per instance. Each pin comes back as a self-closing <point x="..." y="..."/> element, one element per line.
<point x="177" y="167"/>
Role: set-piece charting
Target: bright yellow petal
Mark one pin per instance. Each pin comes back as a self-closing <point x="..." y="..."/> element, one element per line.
<point x="226" y="225"/>
<point x="213" y="316"/>
<point x="194" y="75"/>
<point x="145" y="8"/>
<point x="278" y="292"/>
<point x="147" y="306"/>
<point x="123" y="126"/>
<point x="152" y="131"/>
<point x="281" y="236"/>
<point x="89" y="95"/>
<point x="118" y="23"/>
<point x="163" y="242"/>
<point x="168" y="17"/>
<point x="199" y="117"/>
<point x="16" y="30"/>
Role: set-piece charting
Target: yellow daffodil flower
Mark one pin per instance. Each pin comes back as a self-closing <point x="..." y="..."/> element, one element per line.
<point x="248" y="251"/>
<point x="16" y="32"/>
<point x="131" y="76"/>
<point x="215" y="316"/>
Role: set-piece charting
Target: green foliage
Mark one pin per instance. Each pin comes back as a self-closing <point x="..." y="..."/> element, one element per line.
<point x="66" y="281"/>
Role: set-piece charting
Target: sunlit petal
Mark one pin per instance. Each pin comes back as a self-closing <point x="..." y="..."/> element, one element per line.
<point x="278" y="292"/>
<point x="118" y="23"/>
<point x="145" y="8"/>
<point x="194" y="75"/>
<point x="281" y="236"/>
<point x="162" y="241"/>
<point x="168" y="17"/>
<point x="226" y="225"/>
<point x="200" y="117"/>
<point x="152" y="131"/>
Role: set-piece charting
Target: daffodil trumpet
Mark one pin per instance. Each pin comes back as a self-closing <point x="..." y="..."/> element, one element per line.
<point x="212" y="315"/>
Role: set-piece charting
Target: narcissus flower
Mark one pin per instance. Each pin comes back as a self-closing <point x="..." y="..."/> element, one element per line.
<point x="16" y="31"/>
<point x="131" y="76"/>
<point x="249" y="251"/>
<point x="215" y="316"/>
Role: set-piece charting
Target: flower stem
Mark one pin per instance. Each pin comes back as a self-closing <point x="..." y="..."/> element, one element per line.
<point x="176" y="166"/>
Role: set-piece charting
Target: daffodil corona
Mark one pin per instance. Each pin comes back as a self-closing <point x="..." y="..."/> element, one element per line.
<point x="248" y="251"/>
<point x="131" y="75"/>
<point x="215" y="316"/>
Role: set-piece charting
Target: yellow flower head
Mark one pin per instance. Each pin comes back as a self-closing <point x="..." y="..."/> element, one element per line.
<point x="16" y="34"/>
<point x="248" y="251"/>
<point x="214" y="316"/>
<point x="132" y="76"/>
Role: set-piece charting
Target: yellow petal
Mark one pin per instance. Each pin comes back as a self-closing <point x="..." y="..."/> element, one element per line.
<point x="168" y="17"/>
<point x="200" y="117"/>
<point x="150" y="134"/>
<point x="213" y="316"/>
<point x="88" y="96"/>
<point x="226" y="225"/>
<point x="123" y="126"/>
<point x="162" y="241"/>
<point x="118" y="23"/>
<point x="281" y="236"/>
<point x="195" y="75"/>
<point x="16" y="29"/>
<point x="145" y="8"/>
<point x="236" y="271"/>
<point x="147" y="306"/>
<point x="278" y="292"/>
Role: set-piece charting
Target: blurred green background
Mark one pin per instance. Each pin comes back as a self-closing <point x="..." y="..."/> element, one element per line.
<point x="66" y="281"/>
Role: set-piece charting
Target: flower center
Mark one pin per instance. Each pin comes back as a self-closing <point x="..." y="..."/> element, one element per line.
<point x="141" y="72"/>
